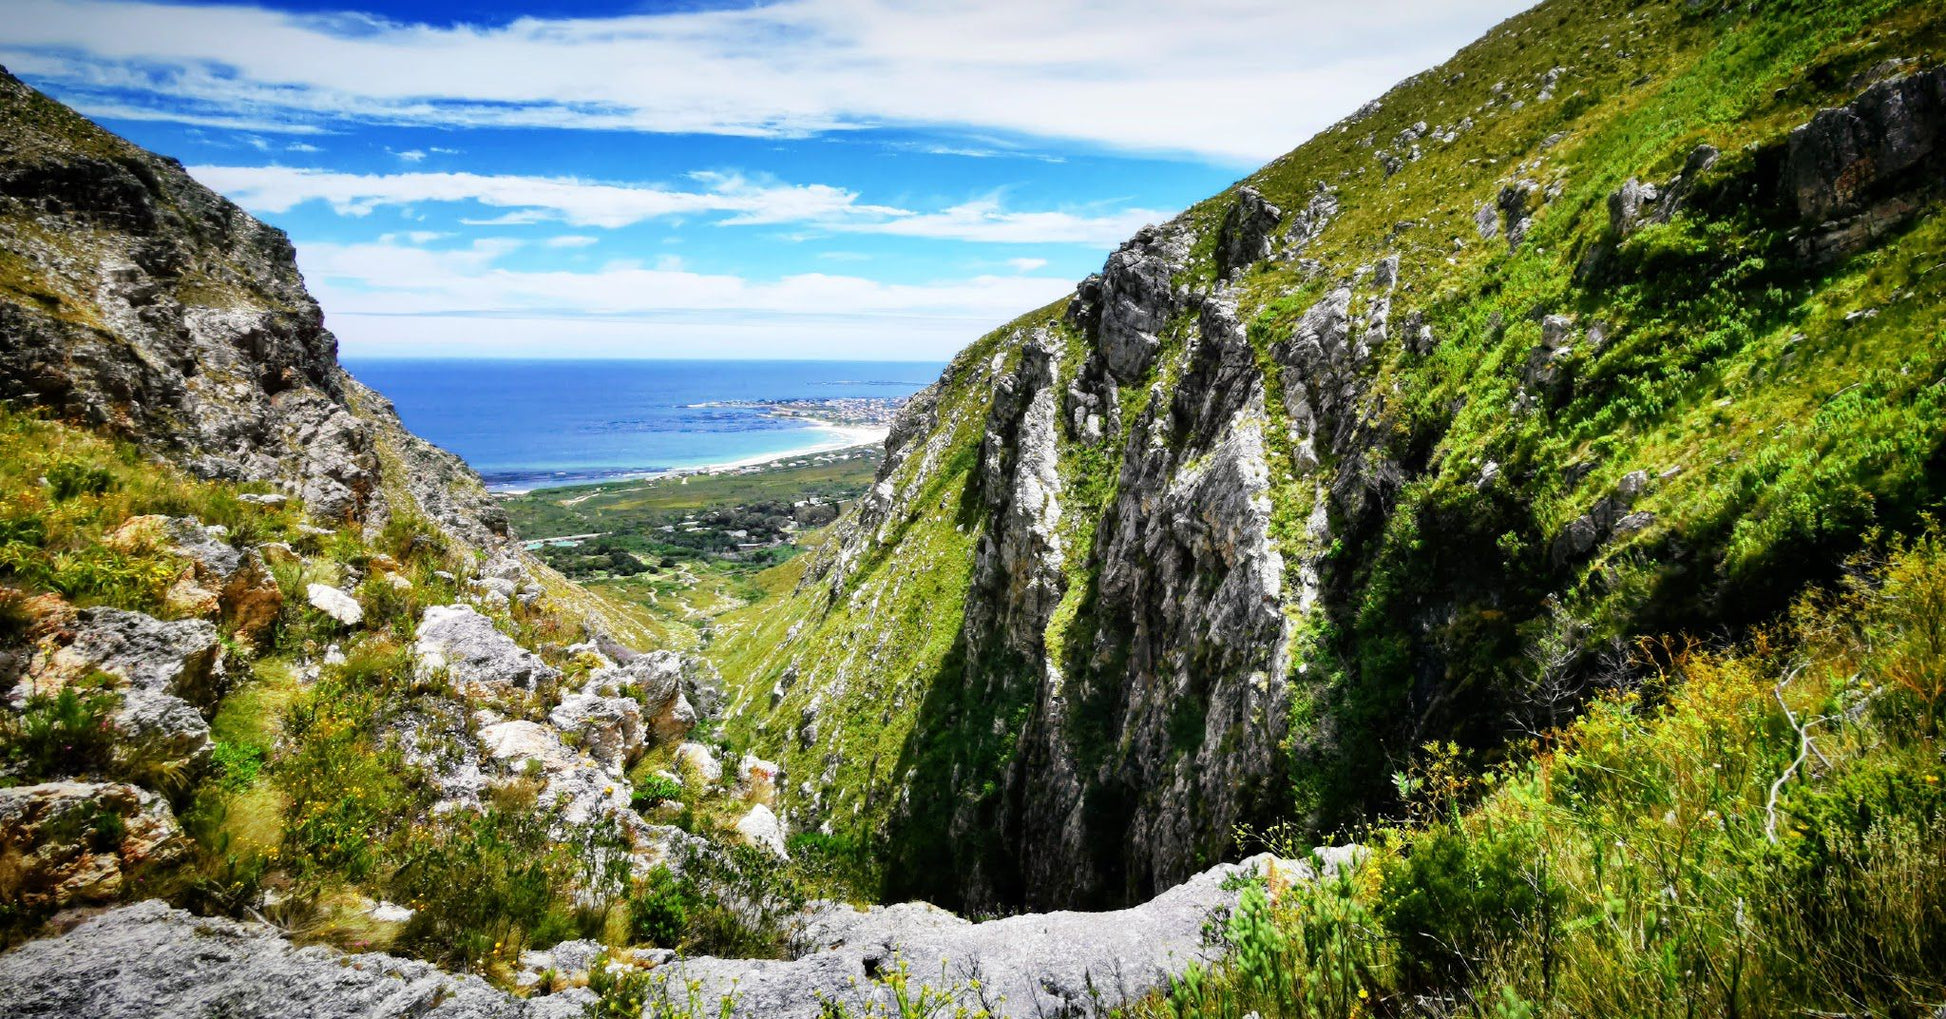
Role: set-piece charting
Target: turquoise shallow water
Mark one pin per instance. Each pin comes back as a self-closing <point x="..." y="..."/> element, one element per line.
<point x="525" y="424"/>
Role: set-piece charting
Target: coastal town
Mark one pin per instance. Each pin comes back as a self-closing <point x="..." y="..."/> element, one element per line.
<point x="845" y="411"/>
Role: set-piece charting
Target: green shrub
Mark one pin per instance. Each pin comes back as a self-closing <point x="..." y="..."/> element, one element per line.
<point x="653" y="789"/>
<point x="485" y="885"/>
<point x="70" y="479"/>
<point x="658" y="910"/>
<point x="1458" y="894"/>
<point x="67" y="733"/>
<point x="744" y="900"/>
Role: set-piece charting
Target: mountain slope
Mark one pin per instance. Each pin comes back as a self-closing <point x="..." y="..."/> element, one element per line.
<point x="1599" y="331"/>
<point x="135" y="300"/>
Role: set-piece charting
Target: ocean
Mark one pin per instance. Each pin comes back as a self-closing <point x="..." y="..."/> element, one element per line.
<point x="535" y="424"/>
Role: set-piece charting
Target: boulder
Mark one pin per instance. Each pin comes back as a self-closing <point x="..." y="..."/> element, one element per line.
<point x="610" y="728"/>
<point x="657" y="679"/>
<point x="474" y="655"/>
<point x="758" y="779"/>
<point x="149" y="961"/>
<point x="1630" y="205"/>
<point x="220" y="579"/>
<point x="580" y="791"/>
<point x="761" y="827"/>
<point x="159" y="737"/>
<point x="183" y="658"/>
<point x="697" y="758"/>
<point x="335" y="603"/>
<point x="251" y="598"/>
<point x="1125" y="307"/>
<point x="79" y="843"/>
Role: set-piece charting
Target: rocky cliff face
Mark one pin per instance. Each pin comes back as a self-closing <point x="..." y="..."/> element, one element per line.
<point x="1359" y="455"/>
<point x="135" y="300"/>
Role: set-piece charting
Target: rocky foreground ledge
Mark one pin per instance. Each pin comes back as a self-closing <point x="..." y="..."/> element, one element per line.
<point x="150" y="961"/>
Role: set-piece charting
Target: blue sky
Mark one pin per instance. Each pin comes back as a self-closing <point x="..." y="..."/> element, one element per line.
<point x="805" y="178"/>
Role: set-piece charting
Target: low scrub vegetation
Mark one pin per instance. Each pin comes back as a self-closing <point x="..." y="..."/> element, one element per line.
<point x="1759" y="829"/>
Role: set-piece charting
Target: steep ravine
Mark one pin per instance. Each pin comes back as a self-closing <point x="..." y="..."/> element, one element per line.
<point x="1412" y="436"/>
<point x="359" y="678"/>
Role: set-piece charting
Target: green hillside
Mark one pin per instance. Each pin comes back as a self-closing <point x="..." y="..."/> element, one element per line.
<point x="1560" y="430"/>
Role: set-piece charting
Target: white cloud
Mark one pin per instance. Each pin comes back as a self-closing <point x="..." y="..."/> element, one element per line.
<point x="1027" y="264"/>
<point x="410" y="155"/>
<point x="275" y="189"/>
<point x="572" y="241"/>
<point x="388" y="298"/>
<point x="1234" y="80"/>
<point x="302" y="147"/>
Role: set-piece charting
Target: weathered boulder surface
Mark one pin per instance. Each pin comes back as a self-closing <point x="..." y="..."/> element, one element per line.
<point x="1031" y="965"/>
<point x="79" y="843"/>
<point x="473" y="653"/>
<point x="659" y="679"/>
<point x="1862" y="169"/>
<point x="148" y="961"/>
<point x="183" y="658"/>
<point x="335" y="603"/>
<point x="761" y="827"/>
<point x="163" y="674"/>
<point x="609" y="728"/>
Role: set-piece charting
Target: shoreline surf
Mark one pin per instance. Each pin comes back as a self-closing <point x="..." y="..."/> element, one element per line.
<point x="837" y="438"/>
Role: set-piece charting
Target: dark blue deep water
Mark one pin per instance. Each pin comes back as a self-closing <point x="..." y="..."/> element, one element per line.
<point x="525" y="424"/>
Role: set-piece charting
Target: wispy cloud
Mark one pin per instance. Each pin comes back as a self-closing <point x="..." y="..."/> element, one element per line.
<point x="572" y="241"/>
<point x="740" y="201"/>
<point x="387" y="296"/>
<point x="1233" y="80"/>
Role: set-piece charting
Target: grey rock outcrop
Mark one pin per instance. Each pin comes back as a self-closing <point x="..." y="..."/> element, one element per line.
<point x="1187" y="573"/>
<point x="1245" y="237"/>
<point x="1607" y="519"/>
<point x="80" y="843"/>
<point x="464" y="645"/>
<point x="1320" y="375"/>
<point x="1862" y="169"/>
<point x="610" y="728"/>
<point x="1125" y="308"/>
<point x="661" y="682"/>
<point x="158" y="736"/>
<point x="1837" y="161"/>
<point x="148" y="961"/>
<point x="165" y="674"/>
<point x="1037" y="965"/>
<point x="1019" y="558"/>
<point x="183" y="658"/>
<point x="1630" y="205"/>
